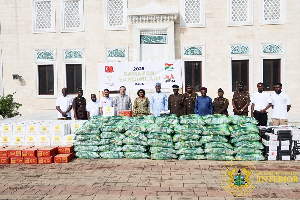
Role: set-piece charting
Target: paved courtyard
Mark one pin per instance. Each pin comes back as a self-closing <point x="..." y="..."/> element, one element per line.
<point x="135" y="179"/>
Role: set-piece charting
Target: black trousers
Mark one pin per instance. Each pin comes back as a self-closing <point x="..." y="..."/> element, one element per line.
<point x="261" y="118"/>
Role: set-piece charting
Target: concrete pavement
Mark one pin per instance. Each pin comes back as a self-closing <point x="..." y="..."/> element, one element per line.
<point x="135" y="179"/>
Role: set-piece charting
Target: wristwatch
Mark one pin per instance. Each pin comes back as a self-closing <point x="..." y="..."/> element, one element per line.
<point x="242" y="110"/>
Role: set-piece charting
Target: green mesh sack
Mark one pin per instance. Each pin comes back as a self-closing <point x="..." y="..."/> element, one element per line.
<point x="90" y="143"/>
<point x="197" y="150"/>
<point x="216" y="119"/>
<point x="187" y="144"/>
<point x="86" y="148"/>
<point x="217" y="145"/>
<point x="87" y="154"/>
<point x="163" y="156"/>
<point x="108" y="135"/>
<point x="215" y="138"/>
<point x="136" y="155"/>
<point x="136" y="135"/>
<point x="191" y="119"/>
<point x="249" y="137"/>
<point x="160" y="136"/>
<point x="219" y="151"/>
<point x="191" y="157"/>
<point x="249" y="145"/>
<point x="221" y="129"/>
<point x="110" y="147"/>
<point x="87" y="137"/>
<point x="134" y="148"/>
<point x="218" y="157"/>
<point x="243" y="129"/>
<point x="133" y="141"/>
<point x="160" y="129"/>
<point x="247" y="151"/>
<point x="160" y="143"/>
<point x="108" y="128"/>
<point x="117" y="141"/>
<point x="137" y="128"/>
<point x="162" y="150"/>
<point x="182" y="137"/>
<point x="111" y="154"/>
<point x="184" y="130"/>
<point x="250" y="157"/>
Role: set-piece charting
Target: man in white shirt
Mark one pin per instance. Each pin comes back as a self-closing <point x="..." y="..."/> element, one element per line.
<point x="261" y="102"/>
<point x="93" y="107"/>
<point x="106" y="102"/>
<point x="64" y="105"/>
<point x="281" y="105"/>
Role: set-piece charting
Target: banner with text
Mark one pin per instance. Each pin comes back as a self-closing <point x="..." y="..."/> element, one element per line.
<point x="139" y="75"/>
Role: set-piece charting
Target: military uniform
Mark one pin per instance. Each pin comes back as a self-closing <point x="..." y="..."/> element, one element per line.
<point x="240" y="99"/>
<point x="175" y="104"/>
<point x="79" y="104"/>
<point x="221" y="105"/>
<point x="189" y="103"/>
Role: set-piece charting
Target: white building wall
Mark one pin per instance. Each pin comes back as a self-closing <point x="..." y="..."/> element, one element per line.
<point x="18" y="42"/>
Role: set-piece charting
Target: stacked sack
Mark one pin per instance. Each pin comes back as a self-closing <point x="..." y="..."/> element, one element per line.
<point x="112" y="136"/>
<point x="187" y="136"/>
<point x="135" y="141"/>
<point x="215" y="138"/>
<point x="245" y="138"/>
<point x="87" y="139"/>
<point x="160" y="137"/>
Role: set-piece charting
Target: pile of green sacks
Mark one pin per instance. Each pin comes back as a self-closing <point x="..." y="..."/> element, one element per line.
<point x="189" y="137"/>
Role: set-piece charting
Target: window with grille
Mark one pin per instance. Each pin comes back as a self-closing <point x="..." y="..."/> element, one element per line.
<point x="193" y="74"/>
<point x="240" y="12"/>
<point x="115" y="12"/>
<point x="46" y="79"/>
<point x="271" y="73"/>
<point x="240" y="72"/>
<point x="43" y="16"/>
<point x="73" y="77"/>
<point x="192" y="13"/>
<point x="272" y="11"/>
<point x="72" y="15"/>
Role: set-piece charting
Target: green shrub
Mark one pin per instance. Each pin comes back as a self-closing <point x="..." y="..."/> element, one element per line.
<point x="9" y="108"/>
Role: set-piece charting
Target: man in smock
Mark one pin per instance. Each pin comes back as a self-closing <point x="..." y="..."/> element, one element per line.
<point x="158" y="101"/>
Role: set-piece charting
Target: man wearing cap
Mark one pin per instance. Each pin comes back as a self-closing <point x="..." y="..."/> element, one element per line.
<point x="158" y="101"/>
<point x="189" y="99"/>
<point x="220" y="103"/>
<point x="175" y="102"/>
<point x="122" y="102"/>
<point x="261" y="101"/>
<point x="281" y="105"/>
<point x="241" y="100"/>
<point x="204" y="105"/>
<point x="79" y="106"/>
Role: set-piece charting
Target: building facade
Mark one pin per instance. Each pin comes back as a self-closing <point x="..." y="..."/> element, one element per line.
<point x="46" y="45"/>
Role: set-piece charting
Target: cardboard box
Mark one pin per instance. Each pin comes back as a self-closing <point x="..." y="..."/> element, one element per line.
<point x="32" y="129"/>
<point x="30" y="152"/>
<point x="18" y="140"/>
<point x="57" y="139"/>
<point x="4" y="160"/>
<point x="69" y="139"/>
<point x="15" y="152"/>
<point x="60" y="128"/>
<point x="3" y="152"/>
<point x="271" y="157"/>
<point x="45" y="160"/>
<point x="19" y="129"/>
<point x="45" y="129"/>
<point x="47" y="151"/>
<point x="5" y="140"/>
<point x="6" y="129"/>
<point x="16" y="160"/>
<point x="270" y="143"/>
<point x="272" y="153"/>
<point x="66" y="149"/>
<point x="127" y="113"/>
<point x="31" y="140"/>
<point x="44" y="140"/>
<point x="30" y="160"/>
<point x="63" y="158"/>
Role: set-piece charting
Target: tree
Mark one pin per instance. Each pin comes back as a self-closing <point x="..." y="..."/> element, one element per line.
<point x="9" y="108"/>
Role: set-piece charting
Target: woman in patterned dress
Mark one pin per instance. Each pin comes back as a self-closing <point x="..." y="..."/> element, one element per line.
<point x="141" y="104"/>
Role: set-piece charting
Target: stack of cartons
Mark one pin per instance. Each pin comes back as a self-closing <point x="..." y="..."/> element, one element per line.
<point x="15" y="154"/>
<point x="4" y="158"/>
<point x="6" y="134"/>
<point x="59" y="130"/>
<point x="46" y="154"/>
<point x="66" y="154"/>
<point x="18" y="137"/>
<point x="271" y="143"/>
<point x="31" y="134"/>
<point x="30" y="155"/>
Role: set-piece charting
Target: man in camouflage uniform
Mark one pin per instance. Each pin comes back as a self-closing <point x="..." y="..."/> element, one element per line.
<point x="241" y="101"/>
<point x="220" y="103"/>
<point x="189" y="99"/>
<point x="175" y="102"/>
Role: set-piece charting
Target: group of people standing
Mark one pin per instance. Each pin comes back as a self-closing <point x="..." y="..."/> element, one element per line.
<point x="179" y="104"/>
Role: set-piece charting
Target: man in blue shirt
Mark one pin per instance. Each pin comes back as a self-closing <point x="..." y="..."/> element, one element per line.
<point x="204" y="105"/>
